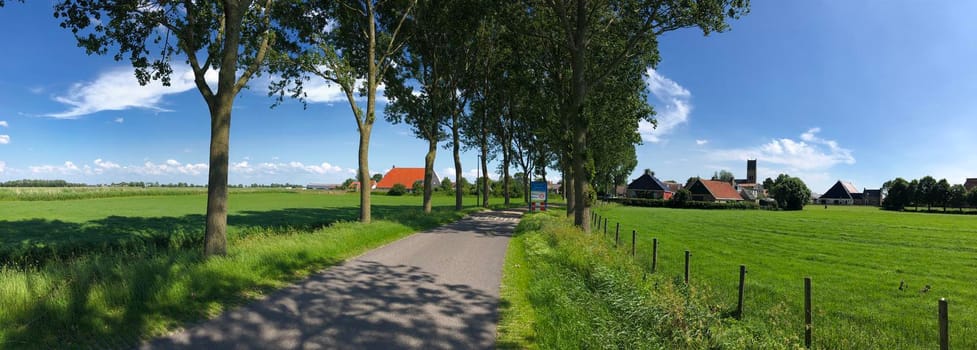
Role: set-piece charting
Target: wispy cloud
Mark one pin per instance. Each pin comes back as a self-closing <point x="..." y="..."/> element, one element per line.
<point x="320" y="91"/>
<point x="809" y="153"/>
<point x="3" y="166"/>
<point x="3" y="123"/>
<point x="701" y="142"/>
<point x="673" y="110"/>
<point x="4" y="139"/>
<point x="118" y="89"/>
<point x="120" y="120"/>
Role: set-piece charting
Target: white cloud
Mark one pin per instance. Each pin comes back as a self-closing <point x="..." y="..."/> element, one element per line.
<point x="68" y="167"/>
<point x="809" y="154"/>
<point x="106" y="164"/>
<point x="4" y="139"/>
<point x="3" y="123"/>
<point x="701" y="142"/>
<point x="675" y="110"/>
<point x="471" y="174"/>
<point x="118" y="89"/>
<point x="169" y="167"/>
<point x="3" y="166"/>
<point x="318" y="90"/>
<point x="119" y="120"/>
<point x="275" y="168"/>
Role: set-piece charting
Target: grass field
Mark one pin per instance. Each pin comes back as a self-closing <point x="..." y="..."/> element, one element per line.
<point x="98" y="298"/>
<point x="856" y="256"/>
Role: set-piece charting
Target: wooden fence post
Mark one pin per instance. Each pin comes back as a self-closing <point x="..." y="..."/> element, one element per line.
<point x="617" y="228"/>
<point x="687" y="256"/>
<point x="808" y="328"/>
<point x="634" y="236"/>
<point x="654" y="254"/>
<point x="605" y="225"/>
<point x="944" y="326"/>
<point x="617" y="239"/>
<point x="739" y="303"/>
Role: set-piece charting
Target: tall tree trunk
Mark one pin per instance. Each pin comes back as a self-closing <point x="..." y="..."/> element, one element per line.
<point x="364" y="173"/>
<point x="568" y="191"/>
<point x="456" y="152"/>
<point x="215" y="237"/>
<point x="505" y="174"/>
<point x="485" y="183"/>
<point x="432" y="151"/>
<point x="580" y="125"/>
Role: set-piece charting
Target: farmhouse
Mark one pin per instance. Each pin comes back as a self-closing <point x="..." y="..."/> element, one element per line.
<point x="841" y="193"/>
<point x="406" y="177"/>
<point x="648" y="186"/>
<point x="970" y="184"/>
<point x="713" y="191"/>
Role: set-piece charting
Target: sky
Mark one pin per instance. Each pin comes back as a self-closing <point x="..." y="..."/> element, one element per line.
<point x="823" y="90"/>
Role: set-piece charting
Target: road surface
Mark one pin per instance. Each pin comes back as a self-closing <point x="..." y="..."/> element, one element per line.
<point x="437" y="289"/>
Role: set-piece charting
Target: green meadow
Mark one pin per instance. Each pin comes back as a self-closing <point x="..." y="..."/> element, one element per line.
<point x="857" y="258"/>
<point x="112" y="269"/>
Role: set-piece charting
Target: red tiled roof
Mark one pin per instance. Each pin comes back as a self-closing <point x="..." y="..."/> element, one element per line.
<point x="721" y="190"/>
<point x="403" y="176"/>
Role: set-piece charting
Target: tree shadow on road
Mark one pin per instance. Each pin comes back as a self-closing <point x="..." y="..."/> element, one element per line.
<point x="361" y="305"/>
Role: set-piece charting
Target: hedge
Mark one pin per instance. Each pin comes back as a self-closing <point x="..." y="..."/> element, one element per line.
<point x="660" y="203"/>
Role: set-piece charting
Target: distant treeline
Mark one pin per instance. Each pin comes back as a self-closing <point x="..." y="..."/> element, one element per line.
<point x="40" y="183"/>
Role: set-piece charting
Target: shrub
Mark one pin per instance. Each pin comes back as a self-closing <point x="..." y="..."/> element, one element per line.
<point x="397" y="190"/>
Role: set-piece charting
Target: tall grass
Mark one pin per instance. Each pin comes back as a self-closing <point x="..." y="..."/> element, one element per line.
<point x="563" y="289"/>
<point x="877" y="275"/>
<point x="114" y="300"/>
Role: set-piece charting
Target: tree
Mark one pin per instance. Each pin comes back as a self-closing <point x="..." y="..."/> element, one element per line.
<point x="767" y="183"/>
<point x="447" y="186"/>
<point x="928" y="192"/>
<point x="914" y="193"/>
<point x="681" y="197"/>
<point x="724" y="176"/>
<point x="435" y="60"/>
<point x="348" y="182"/>
<point x="972" y="197"/>
<point x="350" y="43"/>
<point x="233" y="37"/>
<point x="897" y="194"/>
<point x="790" y="192"/>
<point x="957" y="196"/>
<point x="377" y="177"/>
<point x="599" y="39"/>
<point x="941" y="193"/>
<point x="398" y="189"/>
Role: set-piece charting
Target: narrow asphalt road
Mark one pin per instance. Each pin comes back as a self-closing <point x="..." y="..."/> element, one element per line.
<point x="436" y="289"/>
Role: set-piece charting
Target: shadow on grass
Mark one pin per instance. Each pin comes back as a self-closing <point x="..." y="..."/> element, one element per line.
<point x="32" y="243"/>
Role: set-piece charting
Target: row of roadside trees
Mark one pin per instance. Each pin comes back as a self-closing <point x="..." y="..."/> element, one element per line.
<point x="928" y="192"/>
<point x="534" y="84"/>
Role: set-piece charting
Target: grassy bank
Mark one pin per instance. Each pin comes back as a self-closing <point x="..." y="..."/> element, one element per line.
<point x="34" y="232"/>
<point x="563" y="289"/>
<point x="857" y="258"/>
<point x="114" y="300"/>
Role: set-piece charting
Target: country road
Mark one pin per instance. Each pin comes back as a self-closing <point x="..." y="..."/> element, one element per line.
<point x="437" y="289"/>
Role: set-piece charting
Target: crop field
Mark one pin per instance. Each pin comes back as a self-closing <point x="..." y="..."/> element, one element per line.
<point x="857" y="258"/>
<point x="112" y="269"/>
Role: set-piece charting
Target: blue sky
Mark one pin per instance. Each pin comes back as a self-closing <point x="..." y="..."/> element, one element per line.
<point x="824" y="90"/>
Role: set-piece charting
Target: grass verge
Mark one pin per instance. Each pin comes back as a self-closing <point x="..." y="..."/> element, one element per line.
<point x="115" y="300"/>
<point x="563" y="289"/>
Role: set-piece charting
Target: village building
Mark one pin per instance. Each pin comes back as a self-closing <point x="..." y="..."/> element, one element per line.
<point x="844" y="193"/>
<point x="406" y="177"/>
<point x="970" y="184"/>
<point x="648" y="186"/>
<point x="713" y="191"/>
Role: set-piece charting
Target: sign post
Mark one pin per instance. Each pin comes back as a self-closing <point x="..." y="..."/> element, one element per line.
<point x="537" y="195"/>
